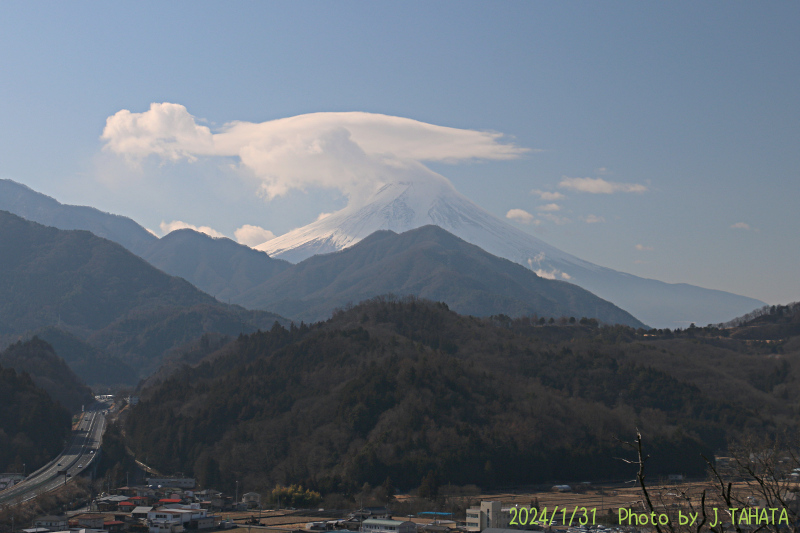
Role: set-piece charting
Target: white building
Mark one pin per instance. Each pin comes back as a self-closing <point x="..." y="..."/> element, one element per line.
<point x="164" y="521"/>
<point x="168" y="520"/>
<point x="374" y="525"/>
<point x="252" y="499"/>
<point x="488" y="514"/>
<point x="52" y="523"/>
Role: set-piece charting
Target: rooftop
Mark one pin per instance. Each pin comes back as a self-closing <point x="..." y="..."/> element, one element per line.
<point x="383" y="522"/>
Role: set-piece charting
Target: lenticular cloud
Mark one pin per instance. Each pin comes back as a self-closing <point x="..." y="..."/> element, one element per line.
<point x="350" y="152"/>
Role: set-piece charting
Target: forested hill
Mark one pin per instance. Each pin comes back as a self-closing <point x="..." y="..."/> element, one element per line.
<point x="48" y="371"/>
<point x="400" y="389"/>
<point x="768" y="322"/>
<point x="32" y="426"/>
<point x="94" y="367"/>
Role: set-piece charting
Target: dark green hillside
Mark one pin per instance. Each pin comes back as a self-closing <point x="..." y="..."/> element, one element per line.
<point x="402" y="388"/>
<point x="94" y="367"/>
<point x="431" y="263"/>
<point x="48" y="371"/>
<point x="104" y="295"/>
<point x="188" y="354"/>
<point x="142" y="338"/>
<point x="74" y="278"/>
<point x="32" y="426"/>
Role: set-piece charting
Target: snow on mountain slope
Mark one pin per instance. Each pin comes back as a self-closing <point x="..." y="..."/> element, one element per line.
<point x="413" y="199"/>
<point x="408" y="204"/>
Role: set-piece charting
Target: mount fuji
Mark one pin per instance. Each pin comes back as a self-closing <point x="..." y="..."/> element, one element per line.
<point x="417" y="199"/>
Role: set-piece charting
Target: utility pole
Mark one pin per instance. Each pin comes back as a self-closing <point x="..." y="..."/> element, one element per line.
<point x="236" y="497"/>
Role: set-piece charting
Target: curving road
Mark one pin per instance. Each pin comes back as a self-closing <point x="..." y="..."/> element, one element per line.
<point x="76" y="457"/>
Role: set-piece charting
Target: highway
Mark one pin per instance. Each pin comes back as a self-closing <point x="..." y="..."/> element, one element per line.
<point x="78" y="455"/>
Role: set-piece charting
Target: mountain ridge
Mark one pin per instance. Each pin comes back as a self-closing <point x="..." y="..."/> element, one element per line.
<point x="431" y="263"/>
<point x="38" y="207"/>
<point x="216" y="265"/>
<point x="400" y="206"/>
<point x="104" y="294"/>
<point x="409" y="203"/>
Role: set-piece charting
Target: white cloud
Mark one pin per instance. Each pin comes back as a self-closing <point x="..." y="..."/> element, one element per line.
<point x="350" y="152"/>
<point x="593" y="219"/>
<point x="152" y="232"/>
<point x="520" y="215"/>
<point x="169" y="227"/>
<point x="542" y="273"/>
<point x="551" y="274"/>
<point x="323" y="215"/>
<point x="548" y="196"/>
<point x="741" y="225"/>
<point x="549" y="207"/>
<point x="252" y="236"/>
<point x="167" y="130"/>
<point x="599" y="185"/>
<point x="643" y="248"/>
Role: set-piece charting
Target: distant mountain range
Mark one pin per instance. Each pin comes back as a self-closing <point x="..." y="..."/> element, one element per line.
<point x="104" y="295"/>
<point x="220" y="267"/>
<point x="404" y="205"/>
<point x="427" y="262"/>
<point x="31" y="205"/>
<point x="237" y="274"/>
<point x="431" y="263"/>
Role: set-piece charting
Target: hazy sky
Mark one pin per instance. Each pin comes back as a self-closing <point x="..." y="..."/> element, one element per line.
<point x="660" y="139"/>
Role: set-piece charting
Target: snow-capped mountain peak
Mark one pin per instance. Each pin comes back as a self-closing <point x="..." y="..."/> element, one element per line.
<point x="416" y="196"/>
<point x="410" y="203"/>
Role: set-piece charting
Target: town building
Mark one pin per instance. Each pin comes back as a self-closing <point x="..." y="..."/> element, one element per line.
<point x="488" y="515"/>
<point x="174" y="520"/>
<point x="94" y="521"/>
<point x="251" y="499"/>
<point x="52" y="522"/>
<point x="382" y="525"/>
<point x="141" y="512"/>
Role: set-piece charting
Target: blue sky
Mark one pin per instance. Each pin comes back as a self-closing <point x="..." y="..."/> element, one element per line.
<point x="696" y="103"/>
